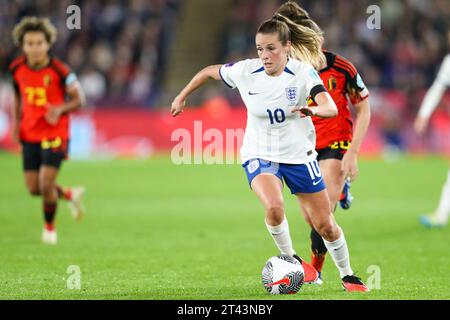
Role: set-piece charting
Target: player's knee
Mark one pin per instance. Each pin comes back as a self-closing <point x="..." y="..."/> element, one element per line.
<point x="46" y="188"/>
<point x="275" y="213"/>
<point x="34" y="190"/>
<point x="327" y="230"/>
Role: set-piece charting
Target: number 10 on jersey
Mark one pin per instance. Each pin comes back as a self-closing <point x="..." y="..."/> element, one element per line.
<point x="276" y="116"/>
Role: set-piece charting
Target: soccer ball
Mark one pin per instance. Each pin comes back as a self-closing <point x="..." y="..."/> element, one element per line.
<point x="283" y="274"/>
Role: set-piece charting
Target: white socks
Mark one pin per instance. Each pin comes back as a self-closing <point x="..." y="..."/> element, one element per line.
<point x="339" y="252"/>
<point x="443" y="209"/>
<point x="282" y="237"/>
<point x="338" y="249"/>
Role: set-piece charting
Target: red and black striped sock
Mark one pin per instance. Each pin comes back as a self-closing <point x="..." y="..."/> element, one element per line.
<point x="64" y="193"/>
<point x="49" y="215"/>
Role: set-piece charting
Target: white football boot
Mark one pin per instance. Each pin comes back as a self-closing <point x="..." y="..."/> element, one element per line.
<point x="49" y="237"/>
<point x="76" y="203"/>
<point x="318" y="281"/>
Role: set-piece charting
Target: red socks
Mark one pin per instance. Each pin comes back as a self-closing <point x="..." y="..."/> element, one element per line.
<point x="49" y="216"/>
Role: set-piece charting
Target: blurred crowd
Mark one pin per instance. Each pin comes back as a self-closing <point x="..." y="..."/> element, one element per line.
<point x="119" y="52"/>
<point x="398" y="61"/>
<point x="403" y="54"/>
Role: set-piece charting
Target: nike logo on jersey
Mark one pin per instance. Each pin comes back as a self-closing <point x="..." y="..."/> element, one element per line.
<point x="315" y="183"/>
<point x="285" y="281"/>
<point x="253" y="93"/>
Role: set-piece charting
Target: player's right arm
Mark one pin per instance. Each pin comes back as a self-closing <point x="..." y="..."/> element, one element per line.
<point x="75" y="100"/>
<point x="210" y="72"/>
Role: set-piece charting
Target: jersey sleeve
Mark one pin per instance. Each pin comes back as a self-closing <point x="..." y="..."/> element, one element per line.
<point x="66" y="74"/>
<point x="70" y="79"/>
<point x="313" y="82"/>
<point x="354" y="86"/>
<point x="230" y="73"/>
<point x="356" y="89"/>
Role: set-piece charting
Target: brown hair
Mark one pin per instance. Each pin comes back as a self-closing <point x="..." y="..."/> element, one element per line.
<point x="306" y="42"/>
<point x="297" y="14"/>
<point x="300" y="16"/>
<point x="34" y="24"/>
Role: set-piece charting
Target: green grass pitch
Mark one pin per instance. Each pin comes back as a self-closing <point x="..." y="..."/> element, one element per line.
<point x="154" y="230"/>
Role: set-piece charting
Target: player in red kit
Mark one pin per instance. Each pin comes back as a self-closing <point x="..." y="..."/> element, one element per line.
<point x="337" y="139"/>
<point x="41" y="117"/>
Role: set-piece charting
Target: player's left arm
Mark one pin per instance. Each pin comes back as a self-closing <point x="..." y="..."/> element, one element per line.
<point x="75" y="100"/>
<point x="326" y="108"/>
<point x="350" y="160"/>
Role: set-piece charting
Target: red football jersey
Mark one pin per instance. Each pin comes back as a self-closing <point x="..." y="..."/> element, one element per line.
<point x="39" y="89"/>
<point x="341" y="80"/>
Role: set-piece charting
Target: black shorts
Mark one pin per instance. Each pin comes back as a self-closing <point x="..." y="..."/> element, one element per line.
<point x="335" y="150"/>
<point x="34" y="155"/>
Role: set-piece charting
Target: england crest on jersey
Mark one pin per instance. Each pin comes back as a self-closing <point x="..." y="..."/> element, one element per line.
<point x="292" y="94"/>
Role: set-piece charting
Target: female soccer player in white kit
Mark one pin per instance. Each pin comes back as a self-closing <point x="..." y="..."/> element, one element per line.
<point x="429" y="104"/>
<point x="279" y="140"/>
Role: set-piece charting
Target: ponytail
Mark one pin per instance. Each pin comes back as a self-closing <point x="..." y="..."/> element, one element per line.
<point x="300" y="16"/>
<point x="306" y="43"/>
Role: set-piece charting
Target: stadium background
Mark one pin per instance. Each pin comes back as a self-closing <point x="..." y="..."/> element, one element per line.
<point x="199" y="228"/>
<point x="132" y="57"/>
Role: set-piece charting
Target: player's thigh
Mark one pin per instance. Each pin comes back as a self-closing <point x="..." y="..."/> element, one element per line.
<point x="265" y="180"/>
<point x="268" y="188"/>
<point x="334" y="178"/>
<point x="317" y="206"/>
<point x="47" y="180"/>
<point x="48" y="173"/>
<point x="32" y="181"/>
<point x="305" y="213"/>
<point x="31" y="162"/>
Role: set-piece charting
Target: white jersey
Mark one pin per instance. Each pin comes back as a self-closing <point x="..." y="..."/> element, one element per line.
<point x="434" y="94"/>
<point x="273" y="132"/>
